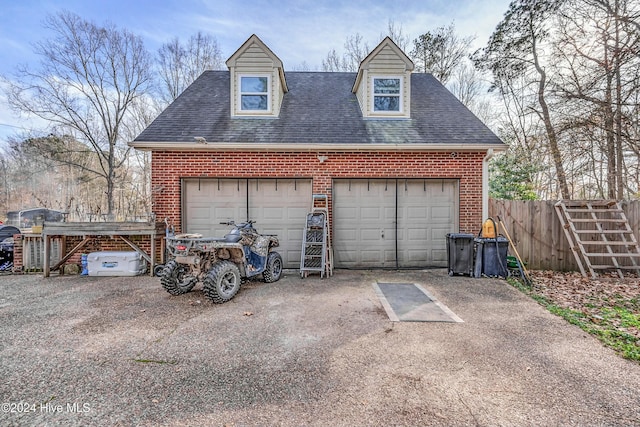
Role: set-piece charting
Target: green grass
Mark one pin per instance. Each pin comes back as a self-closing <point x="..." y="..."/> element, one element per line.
<point x="608" y="320"/>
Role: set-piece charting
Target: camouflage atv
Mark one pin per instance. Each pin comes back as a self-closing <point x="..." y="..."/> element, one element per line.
<point x="220" y="263"/>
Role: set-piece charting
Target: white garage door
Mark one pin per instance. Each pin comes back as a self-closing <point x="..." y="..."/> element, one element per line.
<point x="393" y="223"/>
<point x="279" y="206"/>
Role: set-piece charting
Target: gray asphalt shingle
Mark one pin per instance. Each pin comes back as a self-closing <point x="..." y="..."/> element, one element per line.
<point x="319" y="108"/>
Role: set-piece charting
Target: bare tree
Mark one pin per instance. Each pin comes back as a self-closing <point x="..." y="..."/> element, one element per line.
<point x="597" y="53"/>
<point x="333" y="62"/>
<point x="179" y="65"/>
<point x="513" y="51"/>
<point x="356" y="49"/>
<point x="88" y="79"/>
<point x="395" y="33"/>
<point x="440" y="52"/>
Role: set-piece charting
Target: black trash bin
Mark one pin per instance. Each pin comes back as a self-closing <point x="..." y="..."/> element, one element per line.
<point x="491" y="257"/>
<point x="6" y="246"/>
<point x="460" y="254"/>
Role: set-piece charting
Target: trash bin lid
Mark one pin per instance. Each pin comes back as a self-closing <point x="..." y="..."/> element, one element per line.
<point x="7" y="231"/>
<point x="460" y="236"/>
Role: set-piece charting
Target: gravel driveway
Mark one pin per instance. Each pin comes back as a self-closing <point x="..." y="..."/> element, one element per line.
<point x="121" y="351"/>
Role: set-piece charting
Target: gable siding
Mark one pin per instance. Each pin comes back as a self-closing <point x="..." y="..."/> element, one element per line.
<point x="277" y="92"/>
<point x="361" y="93"/>
<point x="254" y="60"/>
<point x="387" y="62"/>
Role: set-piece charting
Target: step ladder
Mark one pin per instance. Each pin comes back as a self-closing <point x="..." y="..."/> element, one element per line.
<point x="317" y="253"/>
<point x="599" y="235"/>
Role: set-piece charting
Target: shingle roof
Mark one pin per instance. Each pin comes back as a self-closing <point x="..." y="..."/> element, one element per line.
<point x="319" y="108"/>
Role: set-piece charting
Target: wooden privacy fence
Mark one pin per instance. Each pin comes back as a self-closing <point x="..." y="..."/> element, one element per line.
<point x="537" y="232"/>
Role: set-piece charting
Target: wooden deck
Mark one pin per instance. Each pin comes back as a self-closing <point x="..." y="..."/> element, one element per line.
<point x="87" y="230"/>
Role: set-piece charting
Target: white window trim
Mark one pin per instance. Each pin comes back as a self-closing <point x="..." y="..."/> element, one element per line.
<point x="240" y="93"/>
<point x="400" y="96"/>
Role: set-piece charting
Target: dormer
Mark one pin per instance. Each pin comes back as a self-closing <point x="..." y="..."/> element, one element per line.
<point x="383" y="83"/>
<point x="257" y="80"/>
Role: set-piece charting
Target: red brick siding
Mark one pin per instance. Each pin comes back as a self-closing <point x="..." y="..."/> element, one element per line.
<point x="17" y="252"/>
<point x="169" y="167"/>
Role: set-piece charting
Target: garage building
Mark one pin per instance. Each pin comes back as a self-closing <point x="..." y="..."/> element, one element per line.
<point x="400" y="159"/>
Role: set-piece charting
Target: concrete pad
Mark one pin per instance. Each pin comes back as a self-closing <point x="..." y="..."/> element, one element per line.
<point x="409" y="302"/>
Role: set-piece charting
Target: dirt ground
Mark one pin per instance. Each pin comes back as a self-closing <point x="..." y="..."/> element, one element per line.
<point x="121" y="351"/>
<point x="600" y="300"/>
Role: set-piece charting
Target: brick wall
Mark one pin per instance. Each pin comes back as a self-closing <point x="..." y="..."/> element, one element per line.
<point x="17" y="252"/>
<point x="169" y="167"/>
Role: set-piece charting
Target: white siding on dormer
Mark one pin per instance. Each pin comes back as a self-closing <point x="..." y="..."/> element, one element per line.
<point x="254" y="58"/>
<point x="385" y="61"/>
<point x="361" y="92"/>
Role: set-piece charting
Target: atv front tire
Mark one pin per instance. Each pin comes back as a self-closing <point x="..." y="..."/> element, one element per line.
<point x="273" y="269"/>
<point x="174" y="281"/>
<point x="222" y="282"/>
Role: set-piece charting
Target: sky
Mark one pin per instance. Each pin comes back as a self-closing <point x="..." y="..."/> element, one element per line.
<point x="297" y="31"/>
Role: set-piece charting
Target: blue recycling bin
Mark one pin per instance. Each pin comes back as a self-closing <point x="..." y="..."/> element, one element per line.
<point x="491" y="257"/>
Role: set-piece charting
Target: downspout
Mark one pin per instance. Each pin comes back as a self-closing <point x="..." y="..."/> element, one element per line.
<point x="485" y="184"/>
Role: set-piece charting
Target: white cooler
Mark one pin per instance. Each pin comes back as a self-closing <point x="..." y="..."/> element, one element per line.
<point x="116" y="264"/>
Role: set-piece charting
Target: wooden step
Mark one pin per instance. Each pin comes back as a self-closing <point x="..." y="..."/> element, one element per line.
<point x="621" y="239"/>
<point x="604" y="231"/>
<point x="592" y="221"/>
<point x="581" y="210"/>
<point x="609" y="243"/>
<point x="613" y="267"/>
<point x="613" y="255"/>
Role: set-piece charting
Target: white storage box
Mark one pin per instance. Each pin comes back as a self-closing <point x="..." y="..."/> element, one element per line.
<point x="116" y="264"/>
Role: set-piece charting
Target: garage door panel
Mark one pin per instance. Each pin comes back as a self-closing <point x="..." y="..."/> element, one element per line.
<point x="418" y="213"/>
<point x="426" y="211"/>
<point x="281" y="206"/>
<point x="346" y="235"/>
<point x="372" y="234"/>
<point x="371" y="214"/>
<point x="295" y="213"/>
<point x="417" y="233"/>
<point x="441" y="213"/>
<point x="278" y="207"/>
<point x="211" y="201"/>
<point x="439" y="255"/>
<point x="200" y="212"/>
<point x="416" y="255"/>
<point x="361" y="210"/>
<point x="273" y="214"/>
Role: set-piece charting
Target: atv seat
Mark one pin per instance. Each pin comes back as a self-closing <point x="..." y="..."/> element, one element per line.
<point x="229" y="238"/>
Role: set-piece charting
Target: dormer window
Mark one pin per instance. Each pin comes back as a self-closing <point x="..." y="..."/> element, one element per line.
<point x="257" y="81"/>
<point x="386" y="94"/>
<point x="383" y="83"/>
<point x="254" y="93"/>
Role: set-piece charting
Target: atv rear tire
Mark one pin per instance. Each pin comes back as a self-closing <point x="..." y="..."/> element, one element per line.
<point x="174" y="281"/>
<point x="222" y="282"/>
<point x="273" y="269"/>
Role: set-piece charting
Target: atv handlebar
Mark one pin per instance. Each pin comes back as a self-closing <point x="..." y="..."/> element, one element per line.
<point x="241" y="225"/>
